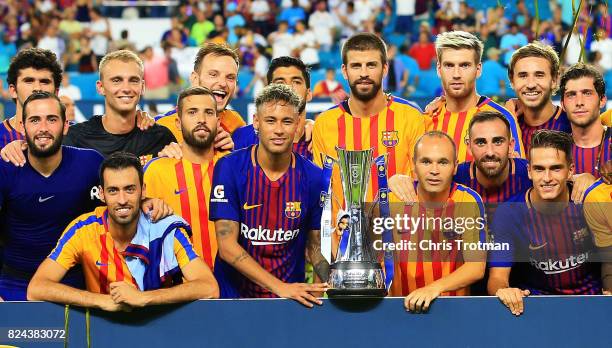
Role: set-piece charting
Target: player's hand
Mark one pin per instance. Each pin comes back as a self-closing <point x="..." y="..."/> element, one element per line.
<point x="302" y="292"/>
<point x="308" y="126"/>
<point x="515" y="106"/>
<point x="605" y="292"/>
<point x="13" y="152"/>
<point x="513" y="299"/>
<point x="581" y="184"/>
<point x="143" y="120"/>
<point x="419" y="300"/>
<point x="106" y="303"/>
<point x="172" y="150"/>
<point x="435" y="105"/>
<point x="223" y="140"/>
<point x="403" y="187"/>
<point x="127" y="294"/>
<point x="156" y="208"/>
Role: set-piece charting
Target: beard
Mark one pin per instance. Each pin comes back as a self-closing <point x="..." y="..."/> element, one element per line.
<point x="197" y="142"/>
<point x="365" y="96"/>
<point x="47" y="152"/>
<point x="491" y="172"/>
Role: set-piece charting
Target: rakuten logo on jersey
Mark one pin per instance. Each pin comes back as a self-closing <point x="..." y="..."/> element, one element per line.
<point x="559" y="266"/>
<point x="265" y="236"/>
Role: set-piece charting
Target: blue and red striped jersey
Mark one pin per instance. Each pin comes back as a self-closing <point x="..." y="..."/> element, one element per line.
<point x="558" y="121"/>
<point x="274" y="216"/>
<point x="246" y="136"/>
<point x="585" y="159"/>
<point x="517" y="181"/>
<point x="555" y="248"/>
<point x="8" y="133"/>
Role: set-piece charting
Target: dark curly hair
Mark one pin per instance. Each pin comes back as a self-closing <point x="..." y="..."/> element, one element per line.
<point x="36" y="58"/>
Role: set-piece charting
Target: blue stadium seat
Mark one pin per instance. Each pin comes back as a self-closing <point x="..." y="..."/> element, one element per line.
<point x="330" y="59"/>
<point x="429" y="83"/>
<point x="316" y="76"/>
<point x="244" y="78"/>
<point x="87" y="84"/>
<point x="608" y="79"/>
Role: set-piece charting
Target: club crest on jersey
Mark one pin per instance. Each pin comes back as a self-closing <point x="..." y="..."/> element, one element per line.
<point x="580" y="235"/>
<point x="293" y="210"/>
<point x="389" y="138"/>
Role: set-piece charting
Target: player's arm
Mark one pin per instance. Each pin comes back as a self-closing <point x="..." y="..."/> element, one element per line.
<point x="234" y="254"/>
<point x="313" y="250"/>
<point x="499" y="285"/>
<point x="45" y="286"/>
<point x="468" y="273"/>
<point x="199" y="284"/>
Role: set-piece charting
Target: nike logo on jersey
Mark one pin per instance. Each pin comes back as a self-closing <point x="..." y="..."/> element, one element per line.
<point x="100" y="264"/>
<point x="536" y="247"/>
<point x="249" y="207"/>
<point x="41" y="200"/>
<point x="178" y="192"/>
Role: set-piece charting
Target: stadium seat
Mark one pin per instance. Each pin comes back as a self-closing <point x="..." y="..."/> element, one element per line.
<point x="429" y="83"/>
<point x="244" y="78"/>
<point x="608" y="79"/>
<point x="87" y="84"/>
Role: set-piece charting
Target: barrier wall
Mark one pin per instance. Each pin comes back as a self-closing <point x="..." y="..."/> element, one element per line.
<point x="556" y="321"/>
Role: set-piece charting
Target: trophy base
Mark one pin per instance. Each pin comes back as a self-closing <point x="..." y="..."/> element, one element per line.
<point x="356" y="279"/>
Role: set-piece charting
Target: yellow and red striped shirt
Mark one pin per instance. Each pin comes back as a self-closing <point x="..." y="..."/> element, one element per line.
<point x="186" y="187"/>
<point x="418" y="267"/>
<point x="88" y="242"/>
<point x="393" y="131"/>
<point x="597" y="203"/>
<point x="456" y="125"/>
<point x="229" y="120"/>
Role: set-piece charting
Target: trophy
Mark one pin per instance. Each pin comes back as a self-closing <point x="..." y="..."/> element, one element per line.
<point x="356" y="271"/>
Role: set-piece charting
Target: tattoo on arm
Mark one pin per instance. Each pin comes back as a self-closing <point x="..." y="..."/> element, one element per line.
<point x="243" y="256"/>
<point x="320" y="265"/>
<point x="223" y="229"/>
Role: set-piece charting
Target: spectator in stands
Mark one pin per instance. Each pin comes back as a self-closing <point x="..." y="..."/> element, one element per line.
<point x="85" y="57"/>
<point x="511" y="41"/>
<point x="26" y="38"/>
<point x="574" y="47"/>
<point x="83" y="8"/>
<point x="306" y="46"/>
<point x="412" y="67"/>
<point x="260" y="69"/>
<point x="173" y="73"/>
<point x="404" y="10"/>
<point x="52" y="42"/>
<point x="350" y="20"/>
<point x="123" y="43"/>
<point x="322" y="23"/>
<point x="70" y="27"/>
<point x="201" y="28"/>
<point x="234" y="19"/>
<point x="155" y="74"/>
<point x="424" y="51"/>
<point x="493" y="78"/>
<point x="603" y="45"/>
<point x="330" y="87"/>
<point x="292" y="15"/>
<point x="464" y="20"/>
<point x="488" y="38"/>
<point x="282" y="41"/>
<point x="99" y="32"/>
<point x="68" y="89"/>
<point x="397" y="76"/>
<point x="260" y="12"/>
<point x="70" y="109"/>
<point x="7" y="51"/>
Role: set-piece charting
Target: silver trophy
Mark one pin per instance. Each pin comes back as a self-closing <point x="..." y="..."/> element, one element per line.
<point x="356" y="271"/>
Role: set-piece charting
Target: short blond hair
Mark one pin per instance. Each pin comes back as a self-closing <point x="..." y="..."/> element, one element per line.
<point x="539" y="50"/>
<point x="457" y="40"/>
<point x="124" y="56"/>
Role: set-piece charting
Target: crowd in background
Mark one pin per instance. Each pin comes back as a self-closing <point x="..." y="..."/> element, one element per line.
<point x="78" y="32"/>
